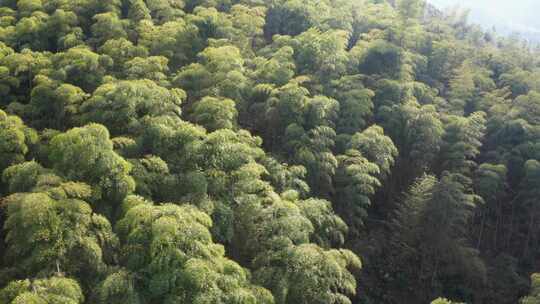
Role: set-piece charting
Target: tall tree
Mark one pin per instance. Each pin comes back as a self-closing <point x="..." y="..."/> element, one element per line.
<point x="171" y="249"/>
<point x="57" y="232"/>
<point x="51" y="290"/>
<point x="121" y="106"/>
<point x="86" y="154"/>
<point x="462" y="142"/>
<point x="432" y="226"/>
<point x="15" y="140"/>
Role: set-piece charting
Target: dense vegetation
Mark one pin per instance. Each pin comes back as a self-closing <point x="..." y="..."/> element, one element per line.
<point x="265" y="151"/>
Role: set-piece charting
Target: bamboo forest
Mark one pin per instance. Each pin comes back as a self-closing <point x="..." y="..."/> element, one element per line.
<point x="266" y="152"/>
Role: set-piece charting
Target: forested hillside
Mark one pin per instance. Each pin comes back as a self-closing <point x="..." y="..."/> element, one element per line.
<point x="265" y="152"/>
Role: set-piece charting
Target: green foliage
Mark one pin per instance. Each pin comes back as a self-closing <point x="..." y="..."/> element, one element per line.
<point x="15" y="140"/>
<point x="534" y="294"/>
<point x="433" y="222"/>
<point x="417" y="132"/>
<point x="356" y="182"/>
<point x="118" y="287"/>
<point x="490" y="180"/>
<point x="325" y="276"/>
<point x="410" y="8"/>
<point x="318" y="53"/>
<point x="121" y="106"/>
<point x="219" y="74"/>
<point x="330" y="229"/>
<point x="214" y="114"/>
<point x="86" y="154"/>
<point x="51" y="232"/>
<point x="279" y="69"/>
<point x="461" y="142"/>
<point x="527" y="107"/>
<point x="169" y="138"/>
<point x="153" y="179"/>
<point x="378" y="57"/>
<point x="18" y="71"/>
<point x="154" y="68"/>
<point x="107" y="26"/>
<point x="355" y="103"/>
<point x="39" y="291"/>
<point x="376" y="147"/>
<point x="175" y="40"/>
<point x="313" y="151"/>
<point x="121" y="51"/>
<point x="22" y="177"/>
<point x="442" y="301"/>
<point x="424" y="132"/>
<point x="55" y="104"/>
<point x="284" y="177"/>
<point x="269" y="223"/>
<point x="171" y="248"/>
<point x="81" y="67"/>
<point x="292" y="17"/>
<point x="162" y="11"/>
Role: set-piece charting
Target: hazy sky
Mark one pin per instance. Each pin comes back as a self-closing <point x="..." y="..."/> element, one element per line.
<point x="519" y="14"/>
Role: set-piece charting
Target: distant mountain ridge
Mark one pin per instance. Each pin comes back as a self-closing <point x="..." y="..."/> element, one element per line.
<point x="516" y="17"/>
